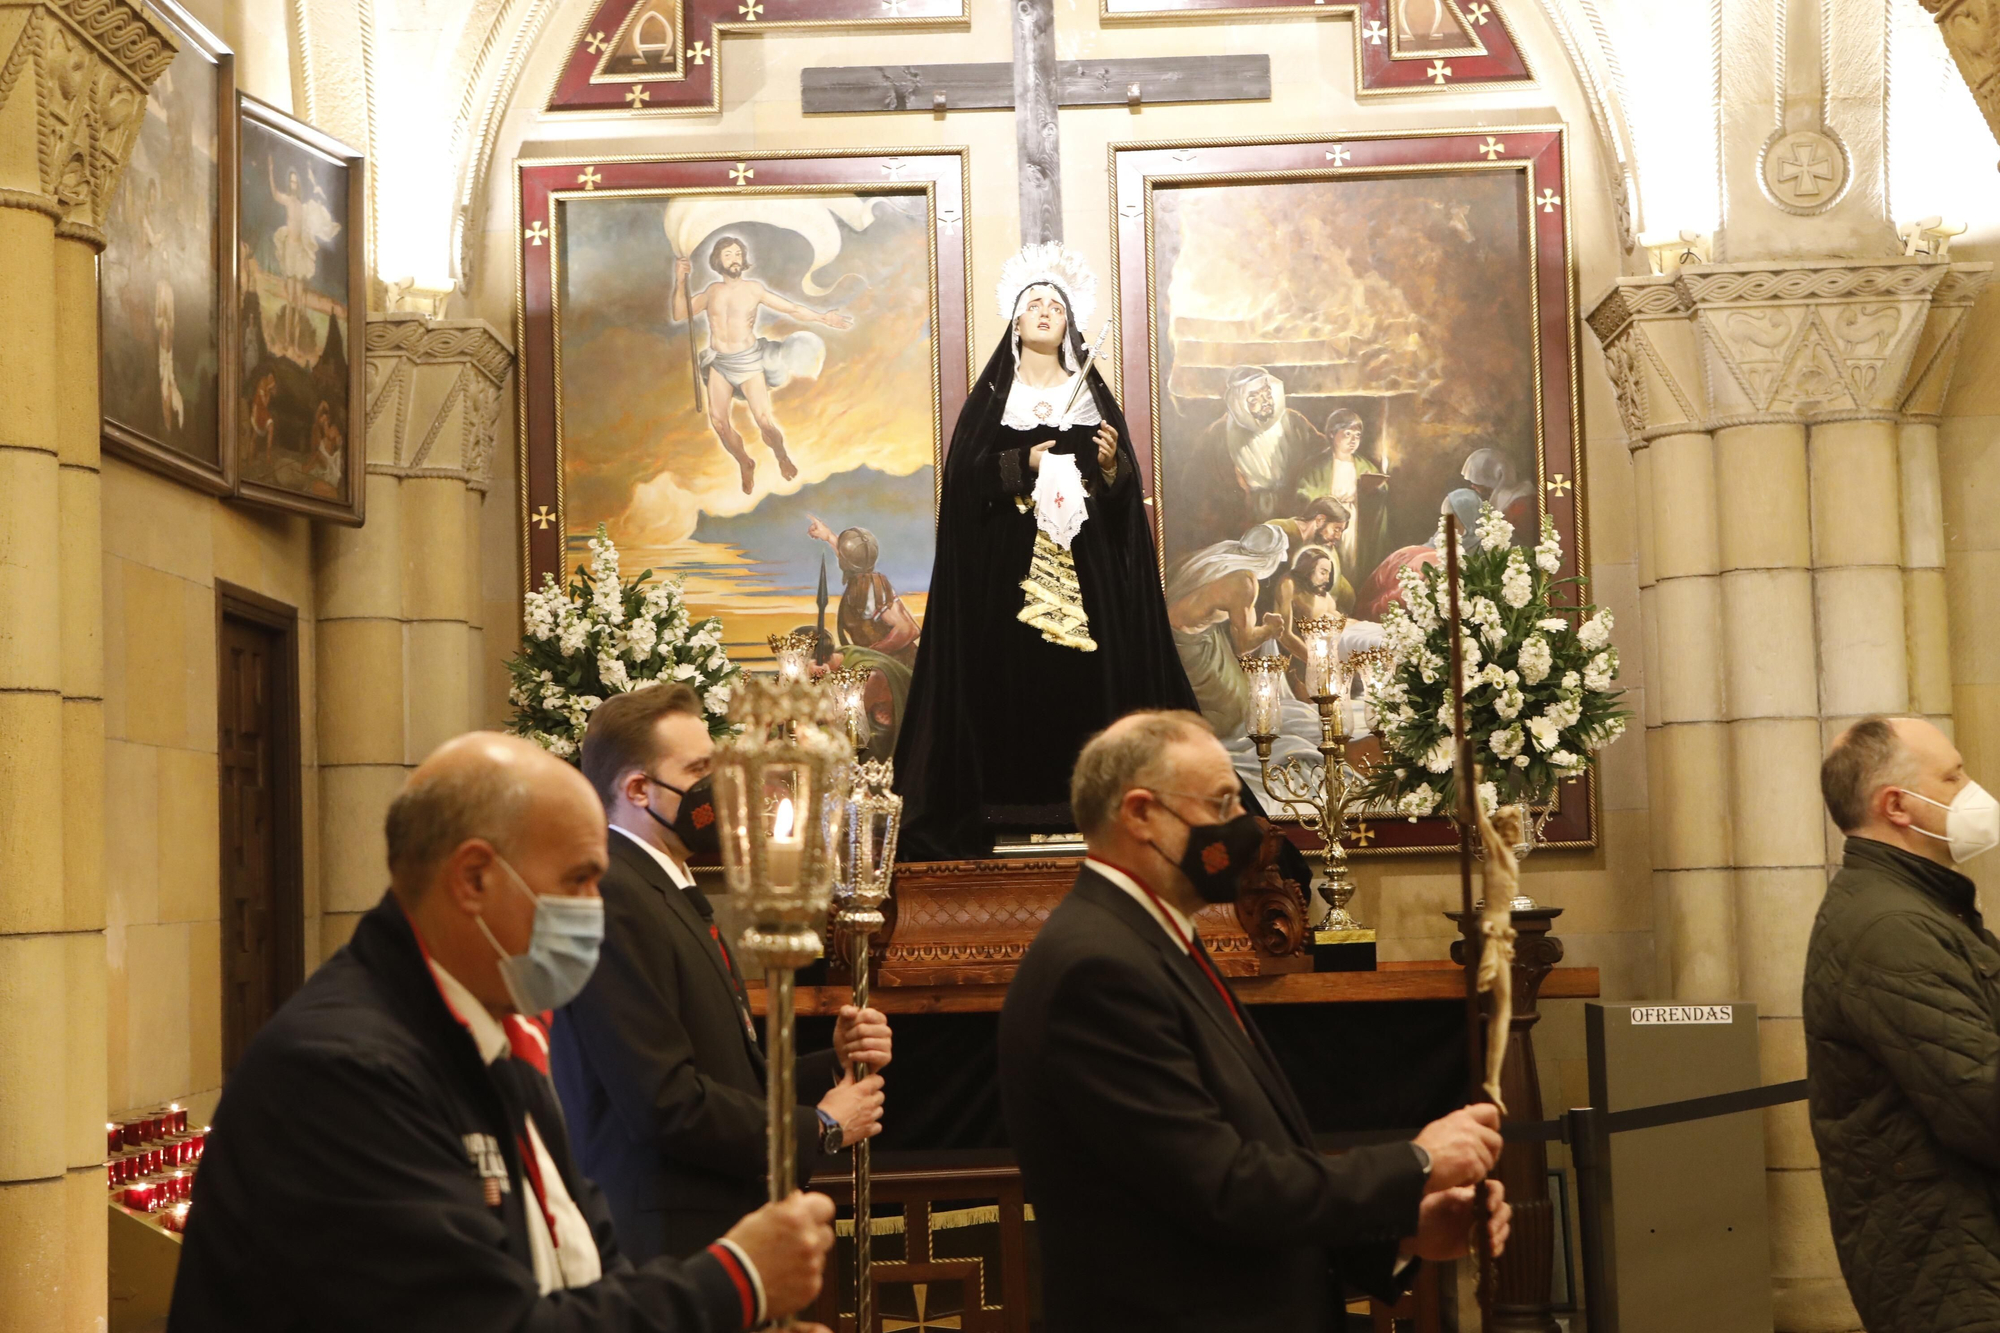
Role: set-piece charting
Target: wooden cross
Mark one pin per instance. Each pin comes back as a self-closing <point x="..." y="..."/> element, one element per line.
<point x="1035" y="86"/>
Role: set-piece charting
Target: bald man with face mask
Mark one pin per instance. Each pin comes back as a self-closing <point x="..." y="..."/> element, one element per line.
<point x="1902" y="993"/>
<point x="389" y="1154"/>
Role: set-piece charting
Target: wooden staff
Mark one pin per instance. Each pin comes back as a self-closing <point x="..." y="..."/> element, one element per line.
<point x="1465" y="780"/>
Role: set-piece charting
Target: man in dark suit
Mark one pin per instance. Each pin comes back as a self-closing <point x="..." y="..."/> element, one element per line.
<point x="388" y="1154"/>
<point x="657" y="1061"/>
<point x="1172" y="1170"/>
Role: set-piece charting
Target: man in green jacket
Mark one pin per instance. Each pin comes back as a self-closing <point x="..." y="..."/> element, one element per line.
<point x="1902" y="1021"/>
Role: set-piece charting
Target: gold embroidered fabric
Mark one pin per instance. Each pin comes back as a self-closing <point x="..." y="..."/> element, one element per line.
<point x="1054" y="603"/>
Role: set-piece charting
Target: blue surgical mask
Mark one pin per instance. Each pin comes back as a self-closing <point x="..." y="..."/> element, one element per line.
<point x="562" y="951"/>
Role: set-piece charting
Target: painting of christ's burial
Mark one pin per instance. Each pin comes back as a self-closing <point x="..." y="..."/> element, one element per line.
<point x="1339" y="359"/>
<point x="163" y="292"/>
<point x="748" y="401"/>
<point x="300" y="277"/>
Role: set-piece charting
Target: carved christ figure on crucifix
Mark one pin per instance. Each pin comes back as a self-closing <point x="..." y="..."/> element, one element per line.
<point x="739" y="363"/>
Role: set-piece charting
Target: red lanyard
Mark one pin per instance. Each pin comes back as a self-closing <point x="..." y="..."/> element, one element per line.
<point x="1193" y="947"/>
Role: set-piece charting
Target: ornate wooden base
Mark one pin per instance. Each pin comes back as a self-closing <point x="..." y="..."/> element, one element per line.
<point x="969" y="922"/>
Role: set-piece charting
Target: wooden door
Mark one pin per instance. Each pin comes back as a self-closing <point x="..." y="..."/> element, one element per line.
<point x="257" y="763"/>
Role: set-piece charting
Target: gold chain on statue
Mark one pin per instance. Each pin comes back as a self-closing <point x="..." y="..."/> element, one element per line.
<point x="1054" y="604"/>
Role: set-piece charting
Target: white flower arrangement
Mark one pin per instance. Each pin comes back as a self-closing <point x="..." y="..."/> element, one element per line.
<point x="1539" y="679"/>
<point x="602" y="636"/>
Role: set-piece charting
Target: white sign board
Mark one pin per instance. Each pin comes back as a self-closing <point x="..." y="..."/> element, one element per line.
<point x="1663" y="1014"/>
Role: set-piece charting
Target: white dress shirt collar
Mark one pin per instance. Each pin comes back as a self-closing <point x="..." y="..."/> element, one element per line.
<point x="675" y="871"/>
<point x="1165" y="913"/>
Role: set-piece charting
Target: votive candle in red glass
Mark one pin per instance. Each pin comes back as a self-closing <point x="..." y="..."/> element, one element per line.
<point x="141" y="1196"/>
<point x="130" y="1132"/>
<point x="114" y="1137"/>
<point x="177" y="1119"/>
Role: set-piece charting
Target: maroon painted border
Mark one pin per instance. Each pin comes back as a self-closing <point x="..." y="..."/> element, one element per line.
<point x="704" y="22"/>
<point x="1377" y="68"/>
<point x="1542" y="150"/>
<point x="541" y="181"/>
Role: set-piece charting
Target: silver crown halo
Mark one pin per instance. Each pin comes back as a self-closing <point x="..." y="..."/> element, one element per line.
<point x="1049" y="262"/>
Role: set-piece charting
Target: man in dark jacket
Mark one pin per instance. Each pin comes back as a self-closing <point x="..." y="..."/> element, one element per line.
<point x="389" y="1155"/>
<point x="1902" y="1022"/>
<point x="1171" y="1167"/>
<point x="657" y="1061"/>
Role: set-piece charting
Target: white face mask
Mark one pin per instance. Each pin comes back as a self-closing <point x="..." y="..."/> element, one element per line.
<point x="1971" y="821"/>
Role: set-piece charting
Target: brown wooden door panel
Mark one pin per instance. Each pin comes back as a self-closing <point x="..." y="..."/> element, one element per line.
<point x="262" y="905"/>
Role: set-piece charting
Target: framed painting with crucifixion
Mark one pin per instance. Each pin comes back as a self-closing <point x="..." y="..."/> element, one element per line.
<point x="1331" y="342"/>
<point x="743" y="369"/>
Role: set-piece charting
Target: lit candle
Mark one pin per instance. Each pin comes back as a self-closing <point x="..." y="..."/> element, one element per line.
<point x="141" y="1197"/>
<point x="786" y="846"/>
<point x="114" y="1137"/>
<point x="179" y="1119"/>
<point x="1266" y="676"/>
<point x="794" y="653"/>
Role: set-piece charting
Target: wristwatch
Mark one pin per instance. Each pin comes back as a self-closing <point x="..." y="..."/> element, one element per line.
<point x="1423" y="1159"/>
<point x="832" y="1138"/>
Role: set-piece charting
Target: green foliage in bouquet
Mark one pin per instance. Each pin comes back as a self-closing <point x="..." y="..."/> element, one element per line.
<point x="599" y="637"/>
<point x="1539" y="695"/>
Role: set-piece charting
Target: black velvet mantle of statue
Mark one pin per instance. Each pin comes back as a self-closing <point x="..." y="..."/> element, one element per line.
<point x="997" y="714"/>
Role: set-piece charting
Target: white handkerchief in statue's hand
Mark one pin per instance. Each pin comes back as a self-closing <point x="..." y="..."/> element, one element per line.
<point x="1059" y="498"/>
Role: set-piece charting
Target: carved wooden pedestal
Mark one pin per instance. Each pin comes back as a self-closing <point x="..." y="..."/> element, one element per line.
<point x="1522" y="1299"/>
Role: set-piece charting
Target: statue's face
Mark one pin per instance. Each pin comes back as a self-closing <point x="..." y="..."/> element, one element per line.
<point x="1043" y="321"/>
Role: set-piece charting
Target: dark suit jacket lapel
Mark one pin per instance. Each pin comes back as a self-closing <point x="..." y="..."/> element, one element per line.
<point x="1246" y="1040"/>
<point x="684" y="915"/>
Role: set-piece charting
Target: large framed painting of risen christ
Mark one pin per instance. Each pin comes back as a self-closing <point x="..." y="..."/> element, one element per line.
<point x="743" y="369"/>
<point x="300" y="396"/>
<point x="1329" y="343"/>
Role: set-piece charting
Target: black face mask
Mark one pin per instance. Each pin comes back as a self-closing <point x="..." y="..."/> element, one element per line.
<point x="694" y="825"/>
<point x="1218" y="854"/>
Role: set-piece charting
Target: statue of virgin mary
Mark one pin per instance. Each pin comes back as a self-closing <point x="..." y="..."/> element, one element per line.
<point x="1029" y="648"/>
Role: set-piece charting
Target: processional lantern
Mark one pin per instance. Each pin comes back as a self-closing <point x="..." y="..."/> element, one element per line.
<point x="780" y="791"/>
<point x="866" y="861"/>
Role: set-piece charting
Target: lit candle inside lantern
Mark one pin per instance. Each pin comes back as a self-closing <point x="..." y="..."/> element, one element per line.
<point x="794" y="653"/>
<point x="1324" y="676"/>
<point x="1267" y="690"/>
<point x="786" y="846"/>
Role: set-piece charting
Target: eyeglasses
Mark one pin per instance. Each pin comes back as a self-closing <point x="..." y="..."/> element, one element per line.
<point x="1222" y="807"/>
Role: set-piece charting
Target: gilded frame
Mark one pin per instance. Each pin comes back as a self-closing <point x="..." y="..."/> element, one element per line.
<point x="694" y="86"/>
<point x="355" y="228"/>
<point x="130" y="442"/>
<point x="1539" y="154"/>
<point x="1497" y="58"/>
<point x="541" y="185"/>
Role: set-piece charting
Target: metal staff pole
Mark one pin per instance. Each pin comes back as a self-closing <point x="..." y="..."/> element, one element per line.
<point x="1465" y="782"/>
<point x="867" y="860"/>
<point x="874" y="814"/>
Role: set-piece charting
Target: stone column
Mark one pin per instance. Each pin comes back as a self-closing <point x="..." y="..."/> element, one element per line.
<point x="71" y="101"/>
<point x="1778" y="411"/>
<point x="399" y="597"/>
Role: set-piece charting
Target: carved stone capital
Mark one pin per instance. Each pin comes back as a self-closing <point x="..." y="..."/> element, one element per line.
<point x="435" y="396"/>
<point x="1717" y="345"/>
<point x="1971" y="30"/>
<point x="73" y="84"/>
